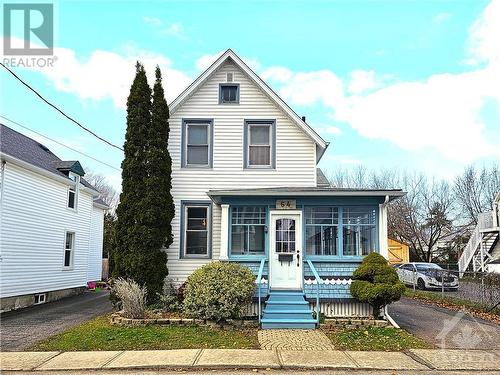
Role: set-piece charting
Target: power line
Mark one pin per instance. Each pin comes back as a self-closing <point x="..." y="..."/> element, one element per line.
<point x="60" y="143"/>
<point x="59" y="110"/>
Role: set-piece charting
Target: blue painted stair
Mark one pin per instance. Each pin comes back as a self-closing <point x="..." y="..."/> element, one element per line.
<point x="287" y="309"/>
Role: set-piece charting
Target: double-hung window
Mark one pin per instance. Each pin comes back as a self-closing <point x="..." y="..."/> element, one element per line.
<point x="229" y="93"/>
<point x="69" y="249"/>
<point x="259" y="144"/>
<point x="196" y="224"/>
<point x="321" y="230"/>
<point x="197" y="143"/>
<point x="73" y="191"/>
<point x="359" y="230"/>
<point x="248" y="230"/>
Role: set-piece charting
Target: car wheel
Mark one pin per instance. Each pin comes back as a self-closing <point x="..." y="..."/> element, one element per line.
<point x="420" y="284"/>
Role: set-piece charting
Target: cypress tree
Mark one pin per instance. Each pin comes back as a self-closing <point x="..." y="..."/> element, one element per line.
<point x="138" y="254"/>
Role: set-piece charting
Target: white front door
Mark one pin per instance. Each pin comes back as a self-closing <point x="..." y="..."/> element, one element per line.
<point x="285" y="250"/>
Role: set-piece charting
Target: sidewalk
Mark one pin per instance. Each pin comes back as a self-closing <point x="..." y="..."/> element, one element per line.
<point x="415" y="359"/>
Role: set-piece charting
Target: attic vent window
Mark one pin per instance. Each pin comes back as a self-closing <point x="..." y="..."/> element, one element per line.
<point x="229" y="77"/>
<point x="229" y="93"/>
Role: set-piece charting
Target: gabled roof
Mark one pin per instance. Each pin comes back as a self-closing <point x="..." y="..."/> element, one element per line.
<point x="27" y="150"/>
<point x="321" y="180"/>
<point x="230" y="55"/>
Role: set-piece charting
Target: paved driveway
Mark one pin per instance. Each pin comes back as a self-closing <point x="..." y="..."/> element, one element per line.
<point x="21" y="328"/>
<point x="445" y="328"/>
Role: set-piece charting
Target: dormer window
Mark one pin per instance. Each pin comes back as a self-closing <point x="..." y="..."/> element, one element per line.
<point x="73" y="191"/>
<point x="229" y="93"/>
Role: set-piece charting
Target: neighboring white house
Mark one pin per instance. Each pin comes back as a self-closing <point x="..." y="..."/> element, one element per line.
<point x="247" y="189"/>
<point x="51" y="231"/>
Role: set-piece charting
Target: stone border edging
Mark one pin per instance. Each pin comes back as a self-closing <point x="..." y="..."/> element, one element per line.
<point x="413" y="359"/>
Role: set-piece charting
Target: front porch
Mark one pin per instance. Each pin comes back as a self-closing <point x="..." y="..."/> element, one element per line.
<point x="303" y="245"/>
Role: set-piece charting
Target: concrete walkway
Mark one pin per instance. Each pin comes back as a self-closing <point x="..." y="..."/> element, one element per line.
<point x="418" y="359"/>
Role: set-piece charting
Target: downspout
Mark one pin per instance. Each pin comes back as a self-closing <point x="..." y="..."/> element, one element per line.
<point x="383" y="245"/>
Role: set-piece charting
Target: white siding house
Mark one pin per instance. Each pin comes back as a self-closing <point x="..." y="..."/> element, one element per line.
<point x="247" y="189"/>
<point x="51" y="231"/>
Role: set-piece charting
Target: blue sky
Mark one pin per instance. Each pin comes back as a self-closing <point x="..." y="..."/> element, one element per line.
<point x="409" y="85"/>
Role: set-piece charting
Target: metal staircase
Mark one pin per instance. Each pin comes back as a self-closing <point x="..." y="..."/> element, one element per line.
<point x="482" y="246"/>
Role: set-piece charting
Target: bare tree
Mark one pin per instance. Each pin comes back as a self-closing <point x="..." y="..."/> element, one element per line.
<point x="475" y="191"/>
<point x="108" y="192"/>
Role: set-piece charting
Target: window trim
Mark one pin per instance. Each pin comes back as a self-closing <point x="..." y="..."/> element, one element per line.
<point x="72" y="255"/>
<point x="246" y="142"/>
<point x="183" y="218"/>
<point x="75" y="184"/>
<point x="237" y="85"/>
<point x="232" y="255"/>
<point x="210" y="138"/>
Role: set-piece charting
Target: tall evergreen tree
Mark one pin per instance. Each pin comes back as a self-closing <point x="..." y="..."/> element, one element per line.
<point x="138" y="253"/>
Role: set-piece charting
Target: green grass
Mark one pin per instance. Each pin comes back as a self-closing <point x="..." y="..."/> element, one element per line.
<point x="450" y="300"/>
<point x="375" y="338"/>
<point x="99" y="334"/>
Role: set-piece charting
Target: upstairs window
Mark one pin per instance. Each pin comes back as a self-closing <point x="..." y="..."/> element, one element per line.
<point x="69" y="247"/>
<point x="73" y="191"/>
<point x="259" y="144"/>
<point x="229" y="93"/>
<point x="197" y="147"/>
<point x="248" y="228"/>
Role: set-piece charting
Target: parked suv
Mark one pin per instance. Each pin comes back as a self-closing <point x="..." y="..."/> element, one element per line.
<point x="426" y="276"/>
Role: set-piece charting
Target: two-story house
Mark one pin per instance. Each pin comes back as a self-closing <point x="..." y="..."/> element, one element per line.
<point x="51" y="224"/>
<point x="247" y="189"/>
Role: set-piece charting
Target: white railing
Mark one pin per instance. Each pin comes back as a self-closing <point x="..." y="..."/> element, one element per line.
<point x="470" y="249"/>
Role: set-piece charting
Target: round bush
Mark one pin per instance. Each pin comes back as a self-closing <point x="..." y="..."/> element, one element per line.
<point x="218" y="291"/>
<point x="376" y="283"/>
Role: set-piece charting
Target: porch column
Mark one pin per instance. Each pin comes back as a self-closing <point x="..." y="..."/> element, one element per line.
<point x="224" y="230"/>
<point x="382" y="230"/>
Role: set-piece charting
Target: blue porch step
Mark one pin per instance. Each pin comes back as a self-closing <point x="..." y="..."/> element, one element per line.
<point x="287" y="309"/>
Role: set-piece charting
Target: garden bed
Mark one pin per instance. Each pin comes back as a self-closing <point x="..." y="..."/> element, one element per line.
<point x="100" y="334"/>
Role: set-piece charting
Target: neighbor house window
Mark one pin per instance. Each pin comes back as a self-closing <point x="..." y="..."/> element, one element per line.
<point x="321" y="230"/>
<point x="248" y="230"/>
<point x="359" y="230"/>
<point x="69" y="249"/>
<point x="196" y="224"/>
<point x="197" y="143"/>
<point x="259" y="144"/>
<point x="229" y="93"/>
<point x="73" y="191"/>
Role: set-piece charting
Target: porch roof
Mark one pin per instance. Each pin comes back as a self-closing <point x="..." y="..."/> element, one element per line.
<point x="216" y="195"/>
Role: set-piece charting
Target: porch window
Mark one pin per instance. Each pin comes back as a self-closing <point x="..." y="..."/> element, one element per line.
<point x="359" y="230"/>
<point x="321" y="230"/>
<point x="196" y="224"/>
<point x="248" y="228"/>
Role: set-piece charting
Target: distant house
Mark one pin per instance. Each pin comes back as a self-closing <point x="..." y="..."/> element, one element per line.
<point x="51" y="224"/>
<point x="247" y="189"/>
<point x="399" y="252"/>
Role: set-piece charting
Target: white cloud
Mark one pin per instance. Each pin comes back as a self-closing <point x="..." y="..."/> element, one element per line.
<point x="153" y="21"/>
<point x="441" y="17"/>
<point x="108" y="75"/>
<point x="175" y="29"/>
<point x="330" y="130"/>
<point x="341" y="159"/>
<point x="361" y="81"/>
<point x="484" y="34"/>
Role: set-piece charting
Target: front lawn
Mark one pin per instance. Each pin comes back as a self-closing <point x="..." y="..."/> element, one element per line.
<point x="375" y="338"/>
<point x="99" y="334"/>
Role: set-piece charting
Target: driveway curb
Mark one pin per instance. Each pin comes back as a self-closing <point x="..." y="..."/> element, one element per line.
<point x="250" y="359"/>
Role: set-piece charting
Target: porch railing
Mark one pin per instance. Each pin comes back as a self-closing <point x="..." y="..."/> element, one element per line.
<point x="258" y="281"/>
<point x="318" y="282"/>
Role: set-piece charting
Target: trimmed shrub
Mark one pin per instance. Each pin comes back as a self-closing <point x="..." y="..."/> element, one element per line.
<point x="132" y="297"/>
<point x="218" y="291"/>
<point x="376" y="283"/>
